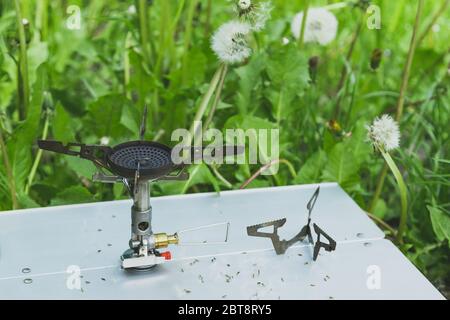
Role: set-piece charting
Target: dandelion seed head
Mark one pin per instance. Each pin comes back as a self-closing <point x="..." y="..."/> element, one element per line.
<point x="384" y="132"/>
<point x="244" y="4"/>
<point x="256" y="14"/>
<point x="230" y="44"/>
<point x="321" y="26"/>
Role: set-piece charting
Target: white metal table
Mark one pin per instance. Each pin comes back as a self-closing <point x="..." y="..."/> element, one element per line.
<point x="72" y="252"/>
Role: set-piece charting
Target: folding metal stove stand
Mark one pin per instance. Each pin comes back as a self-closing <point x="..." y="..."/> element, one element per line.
<point x="38" y="246"/>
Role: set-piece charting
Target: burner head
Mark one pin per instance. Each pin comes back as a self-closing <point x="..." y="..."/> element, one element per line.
<point x="154" y="159"/>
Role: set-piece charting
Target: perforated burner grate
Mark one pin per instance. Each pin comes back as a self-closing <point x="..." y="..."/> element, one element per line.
<point x="154" y="159"/>
<point x="149" y="157"/>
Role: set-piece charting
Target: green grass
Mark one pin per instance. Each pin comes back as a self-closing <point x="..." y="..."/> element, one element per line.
<point x="82" y="85"/>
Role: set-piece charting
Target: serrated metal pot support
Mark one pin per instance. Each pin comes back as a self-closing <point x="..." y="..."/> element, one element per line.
<point x="281" y="246"/>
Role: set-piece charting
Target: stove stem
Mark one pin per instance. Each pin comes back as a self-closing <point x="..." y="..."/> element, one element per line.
<point x="141" y="220"/>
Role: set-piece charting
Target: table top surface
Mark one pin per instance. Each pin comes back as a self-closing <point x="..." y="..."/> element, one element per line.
<point x="72" y="252"/>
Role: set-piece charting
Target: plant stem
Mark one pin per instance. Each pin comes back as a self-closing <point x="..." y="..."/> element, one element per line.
<point x="217" y="97"/>
<point x="42" y="18"/>
<point x="163" y="31"/>
<point x="220" y="177"/>
<point x="205" y="102"/>
<point x="267" y="166"/>
<point x="38" y="155"/>
<point x="12" y="183"/>
<point x="337" y="108"/>
<point x="143" y="30"/>
<point x="436" y="16"/>
<point x="208" y="18"/>
<point x="23" y="83"/>
<point x="303" y="26"/>
<point x="382" y="223"/>
<point x="169" y="43"/>
<point x="126" y="65"/>
<point x="409" y="60"/>
<point x="403" y="195"/>
<point x="380" y="183"/>
<point x="187" y="39"/>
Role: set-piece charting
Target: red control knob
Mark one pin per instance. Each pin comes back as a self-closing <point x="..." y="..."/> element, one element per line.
<point x="167" y="255"/>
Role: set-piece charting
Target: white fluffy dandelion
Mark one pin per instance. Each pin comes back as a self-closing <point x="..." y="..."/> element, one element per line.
<point x="384" y="132"/>
<point x="230" y="42"/>
<point x="256" y="14"/>
<point x="321" y="26"/>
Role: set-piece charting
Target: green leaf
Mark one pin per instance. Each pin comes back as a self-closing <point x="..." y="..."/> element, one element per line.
<point x="130" y="118"/>
<point x="441" y="223"/>
<point x="248" y="122"/>
<point x="200" y="174"/>
<point x="81" y="167"/>
<point x="249" y="78"/>
<point x="119" y="191"/>
<point x="26" y="202"/>
<point x="105" y="114"/>
<point x="62" y="125"/>
<point x="288" y="71"/>
<point x="341" y="167"/>
<point x="74" y="194"/>
<point x="288" y="68"/>
<point x="37" y="55"/>
<point x="380" y="209"/>
<point x="311" y="170"/>
<point x="197" y="64"/>
<point x="358" y="145"/>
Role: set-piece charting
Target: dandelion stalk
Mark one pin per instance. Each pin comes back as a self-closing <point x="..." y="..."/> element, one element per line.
<point x="42" y="18"/>
<point x="303" y="26"/>
<point x="143" y="30"/>
<point x="217" y="97"/>
<point x="403" y="194"/>
<point x="379" y="188"/>
<point x="195" y="130"/>
<point x="38" y="155"/>
<point x="23" y="83"/>
<point x="208" y="18"/>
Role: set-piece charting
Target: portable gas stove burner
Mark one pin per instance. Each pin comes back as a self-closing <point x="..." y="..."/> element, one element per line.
<point x="136" y="164"/>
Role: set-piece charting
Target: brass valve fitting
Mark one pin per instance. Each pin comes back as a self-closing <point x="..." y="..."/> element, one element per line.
<point x="163" y="240"/>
